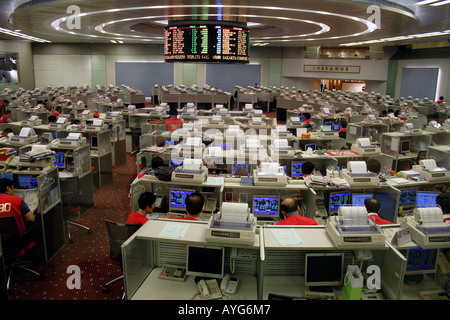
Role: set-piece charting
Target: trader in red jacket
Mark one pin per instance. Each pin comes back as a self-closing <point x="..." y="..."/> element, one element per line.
<point x="290" y="210"/>
<point x="194" y="206"/>
<point x="146" y="204"/>
<point x="373" y="208"/>
<point x="173" y="123"/>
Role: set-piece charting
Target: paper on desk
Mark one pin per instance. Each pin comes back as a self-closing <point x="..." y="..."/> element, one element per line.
<point x="74" y="135"/>
<point x="24" y="132"/>
<point x="215" y="181"/>
<point x="174" y="230"/>
<point x="153" y="215"/>
<point x="395" y="143"/>
<point x="286" y="236"/>
<point x="97" y="122"/>
<point x="61" y="120"/>
<point x="399" y="180"/>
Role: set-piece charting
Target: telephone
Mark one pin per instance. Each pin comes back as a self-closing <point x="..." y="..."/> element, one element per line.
<point x="159" y="201"/>
<point x="210" y="204"/>
<point x="229" y="284"/>
<point x="209" y="289"/>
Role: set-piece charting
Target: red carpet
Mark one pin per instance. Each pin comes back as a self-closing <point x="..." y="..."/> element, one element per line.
<point x="90" y="252"/>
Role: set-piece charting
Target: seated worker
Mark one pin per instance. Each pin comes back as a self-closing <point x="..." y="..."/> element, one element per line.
<point x="51" y="119"/>
<point x="373" y="208"/>
<point x="307" y="169"/>
<point x="6" y="118"/>
<point x="443" y="201"/>
<point x="290" y="210"/>
<point x="373" y="165"/>
<point x="307" y="118"/>
<point x="146" y="204"/>
<point x="14" y="206"/>
<point x="160" y="141"/>
<point x="194" y="207"/>
<point x="6" y="133"/>
<point x="173" y="123"/>
<point x="57" y="112"/>
<point x="343" y="131"/>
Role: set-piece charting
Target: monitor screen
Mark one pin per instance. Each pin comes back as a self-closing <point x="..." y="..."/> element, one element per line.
<point x="426" y="199"/>
<point x="60" y="160"/>
<point x="359" y="198"/>
<point x="170" y="143"/>
<point x="266" y="206"/>
<point x="326" y="128"/>
<point x="338" y="199"/>
<point x="246" y="166"/>
<point x="312" y="146"/>
<point x="23" y="181"/>
<point x="284" y="168"/>
<point x="324" y="269"/>
<point x="175" y="163"/>
<point x="408" y="197"/>
<point x="178" y="198"/>
<point x="94" y="142"/>
<point x="33" y="184"/>
<point x="296" y="168"/>
<point x="404" y="147"/>
<point x="9" y="176"/>
<point x="336" y="127"/>
<point x="421" y="261"/>
<point x="205" y="261"/>
<point x="302" y="118"/>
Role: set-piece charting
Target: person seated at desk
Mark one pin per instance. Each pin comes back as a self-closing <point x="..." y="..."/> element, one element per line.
<point x="173" y="123"/>
<point x="373" y="208"/>
<point x="194" y="206"/>
<point x="14" y="206"/>
<point x="7" y="133"/>
<point x="307" y="118"/>
<point x="160" y="141"/>
<point x="290" y="210"/>
<point x="6" y="118"/>
<point x="373" y="165"/>
<point x="443" y="201"/>
<point x="57" y="112"/>
<point x="307" y="169"/>
<point x="343" y="131"/>
<point x="146" y="204"/>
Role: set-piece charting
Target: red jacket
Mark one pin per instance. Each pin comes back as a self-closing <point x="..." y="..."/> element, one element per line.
<point x="186" y="218"/>
<point x="174" y="124"/>
<point x="136" y="218"/>
<point x="4" y="118"/>
<point x="377" y="220"/>
<point x="296" y="219"/>
<point x="10" y="206"/>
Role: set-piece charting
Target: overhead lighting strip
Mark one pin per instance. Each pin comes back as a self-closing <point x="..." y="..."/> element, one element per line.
<point x="22" y="35"/>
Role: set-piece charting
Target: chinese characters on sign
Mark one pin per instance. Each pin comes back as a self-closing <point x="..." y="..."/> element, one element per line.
<point x="325" y="68"/>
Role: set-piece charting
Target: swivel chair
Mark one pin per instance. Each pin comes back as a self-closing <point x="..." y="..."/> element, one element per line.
<point x="118" y="233"/>
<point x="17" y="247"/>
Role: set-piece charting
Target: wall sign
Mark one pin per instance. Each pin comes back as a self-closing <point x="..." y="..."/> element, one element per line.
<point x="326" y="68"/>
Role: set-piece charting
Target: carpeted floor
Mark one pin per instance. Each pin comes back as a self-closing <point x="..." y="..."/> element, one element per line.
<point x="90" y="252"/>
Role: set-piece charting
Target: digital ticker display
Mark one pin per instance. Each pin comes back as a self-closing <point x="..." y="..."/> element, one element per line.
<point x="206" y="43"/>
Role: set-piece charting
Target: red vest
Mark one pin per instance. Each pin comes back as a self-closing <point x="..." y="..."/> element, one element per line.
<point x="137" y="218"/>
<point x="186" y="218"/>
<point x="174" y="124"/>
<point x="296" y="219"/>
<point x="3" y="118"/>
<point x="10" y="206"/>
<point x="377" y="220"/>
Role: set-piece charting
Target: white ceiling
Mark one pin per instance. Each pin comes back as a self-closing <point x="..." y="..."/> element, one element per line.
<point x="272" y="23"/>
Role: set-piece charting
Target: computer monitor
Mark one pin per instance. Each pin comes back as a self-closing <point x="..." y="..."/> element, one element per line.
<point x="302" y="118"/>
<point x="284" y="168"/>
<point x="296" y="169"/>
<point x="33" y="184"/>
<point x="326" y="128"/>
<point x="94" y="142"/>
<point x="359" y="198"/>
<point x="324" y="269"/>
<point x="266" y="206"/>
<point x="170" y="143"/>
<point x="408" y="198"/>
<point x="23" y="181"/>
<point x="336" y="127"/>
<point x="175" y="163"/>
<point x="205" y="261"/>
<point x="9" y="176"/>
<point x="246" y="166"/>
<point x="312" y="146"/>
<point x="178" y="199"/>
<point x="426" y="199"/>
<point x="338" y="199"/>
<point x="404" y="146"/>
<point x="60" y="160"/>
<point x="421" y="261"/>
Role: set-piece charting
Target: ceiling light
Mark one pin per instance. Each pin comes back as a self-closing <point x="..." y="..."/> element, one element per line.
<point x="424" y="2"/>
<point x="22" y="35"/>
<point x="440" y="3"/>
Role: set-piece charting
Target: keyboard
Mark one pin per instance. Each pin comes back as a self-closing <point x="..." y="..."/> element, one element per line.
<point x="189" y="171"/>
<point x="320" y="295"/>
<point x="176" y="273"/>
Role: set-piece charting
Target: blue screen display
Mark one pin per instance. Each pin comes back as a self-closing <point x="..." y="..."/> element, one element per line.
<point x="265" y="205"/>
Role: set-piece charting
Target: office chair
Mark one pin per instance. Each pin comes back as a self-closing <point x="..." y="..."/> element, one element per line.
<point x="16" y="247"/>
<point x="118" y="233"/>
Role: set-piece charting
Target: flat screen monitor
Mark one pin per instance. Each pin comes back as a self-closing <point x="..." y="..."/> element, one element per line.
<point x="408" y="197"/>
<point x="404" y="146"/>
<point x="296" y="169"/>
<point x="324" y="269"/>
<point x="426" y="199"/>
<point x="326" y="128"/>
<point x="336" y="127"/>
<point x="359" y="198"/>
<point x="178" y="199"/>
<point x="266" y="206"/>
<point x="245" y="166"/>
<point x="205" y="261"/>
<point x="421" y="261"/>
<point x="302" y="118"/>
<point x="60" y="160"/>
<point x="170" y="143"/>
<point x="23" y="181"/>
<point x="338" y="199"/>
<point x="175" y="163"/>
<point x="33" y="184"/>
<point x="312" y="146"/>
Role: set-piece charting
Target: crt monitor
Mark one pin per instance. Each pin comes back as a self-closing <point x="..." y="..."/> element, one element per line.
<point x="408" y="198"/>
<point x="312" y="146"/>
<point x="326" y="128"/>
<point x="338" y="199"/>
<point x="426" y="199"/>
<point x="336" y="127"/>
<point x="359" y="198"/>
<point x="23" y="181"/>
<point x="421" y="261"/>
<point x="245" y="166"/>
<point x="324" y="269"/>
<point x="178" y="199"/>
<point x="60" y="160"/>
<point x="205" y="261"/>
<point x="296" y="169"/>
<point x="175" y="163"/>
<point x="404" y="146"/>
<point x="266" y="206"/>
